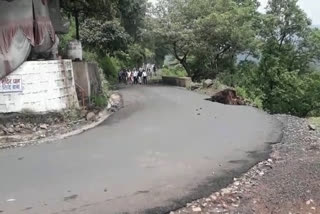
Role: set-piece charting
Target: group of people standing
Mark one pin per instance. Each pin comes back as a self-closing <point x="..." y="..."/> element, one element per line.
<point x="136" y="76"/>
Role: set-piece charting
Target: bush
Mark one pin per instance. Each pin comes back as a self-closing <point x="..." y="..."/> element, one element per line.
<point x="255" y="100"/>
<point x="99" y="101"/>
<point x="174" y="71"/>
<point x="277" y="90"/>
<point x="109" y="68"/>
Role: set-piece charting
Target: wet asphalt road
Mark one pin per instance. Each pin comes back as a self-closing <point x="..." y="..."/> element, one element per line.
<point x="165" y="148"/>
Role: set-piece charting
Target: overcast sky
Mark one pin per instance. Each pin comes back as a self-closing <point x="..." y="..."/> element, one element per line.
<point x="311" y="7"/>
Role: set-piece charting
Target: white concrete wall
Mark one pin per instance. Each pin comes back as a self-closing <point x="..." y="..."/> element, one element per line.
<point x="46" y="86"/>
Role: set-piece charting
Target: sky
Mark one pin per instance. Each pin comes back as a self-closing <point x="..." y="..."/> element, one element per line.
<point x="311" y="7"/>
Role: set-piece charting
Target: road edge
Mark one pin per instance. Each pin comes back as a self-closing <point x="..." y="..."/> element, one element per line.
<point x="115" y="103"/>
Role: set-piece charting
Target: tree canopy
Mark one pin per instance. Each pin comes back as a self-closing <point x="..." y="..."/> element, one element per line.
<point x="271" y="58"/>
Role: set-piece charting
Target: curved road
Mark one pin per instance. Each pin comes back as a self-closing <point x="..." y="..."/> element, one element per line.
<point x="165" y="148"/>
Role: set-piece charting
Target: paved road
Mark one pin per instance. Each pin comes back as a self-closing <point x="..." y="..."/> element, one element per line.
<point x="154" y="155"/>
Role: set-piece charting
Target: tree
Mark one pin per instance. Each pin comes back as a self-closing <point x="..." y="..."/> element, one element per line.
<point x="104" y="37"/>
<point x="88" y="9"/>
<point x="207" y="33"/>
<point x="228" y="30"/>
<point x="132" y="14"/>
<point x="284" y="74"/>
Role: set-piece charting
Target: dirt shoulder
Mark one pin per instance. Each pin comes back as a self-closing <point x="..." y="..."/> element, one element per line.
<point x="17" y="130"/>
<point x="288" y="182"/>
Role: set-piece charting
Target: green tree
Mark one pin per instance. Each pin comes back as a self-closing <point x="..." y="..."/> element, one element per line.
<point x="284" y="74"/>
<point x="104" y="37"/>
<point x="82" y="9"/>
<point x="132" y="15"/>
<point x="206" y="36"/>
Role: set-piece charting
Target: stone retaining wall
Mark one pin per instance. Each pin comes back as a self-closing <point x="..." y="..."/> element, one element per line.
<point x="177" y="81"/>
<point x="45" y="86"/>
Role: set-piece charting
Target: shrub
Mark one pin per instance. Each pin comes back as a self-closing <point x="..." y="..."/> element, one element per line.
<point x="174" y="71"/>
<point x="99" y="101"/>
<point x="109" y="69"/>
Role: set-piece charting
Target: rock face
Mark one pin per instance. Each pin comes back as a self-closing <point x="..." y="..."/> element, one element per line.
<point x="207" y="83"/>
<point x="227" y="96"/>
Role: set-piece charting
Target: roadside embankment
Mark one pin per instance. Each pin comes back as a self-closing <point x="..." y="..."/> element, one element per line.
<point x="288" y="182"/>
<point x="17" y="130"/>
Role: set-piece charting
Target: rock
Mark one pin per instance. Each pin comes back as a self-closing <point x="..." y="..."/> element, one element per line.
<point x="312" y="127"/>
<point x="213" y="197"/>
<point x="195" y="86"/>
<point x="29" y="126"/>
<point x="115" y="101"/>
<point x="17" y="129"/>
<point x="207" y="83"/>
<point x="9" y="125"/>
<point x="22" y="126"/>
<point x="109" y="106"/>
<point x="309" y="202"/>
<point x="237" y="183"/>
<point x="43" y="126"/>
<point x="196" y="209"/>
<point x="83" y="113"/>
<point x="10" y="130"/>
<point x="261" y="173"/>
<point x="225" y="191"/>
<point x="2" y="127"/>
<point x="91" y="116"/>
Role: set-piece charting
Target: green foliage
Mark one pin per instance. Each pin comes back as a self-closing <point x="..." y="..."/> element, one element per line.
<point x="66" y="38"/>
<point x="109" y="68"/>
<point x="177" y="71"/>
<point x="251" y="97"/>
<point x="90" y="56"/>
<point x="99" y="101"/>
<point x="132" y="14"/>
<point x="205" y="36"/>
<point x="104" y="37"/>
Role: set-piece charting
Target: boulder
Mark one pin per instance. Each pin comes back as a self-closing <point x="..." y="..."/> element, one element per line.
<point x="91" y="116"/>
<point x="22" y="126"/>
<point x="43" y="126"/>
<point x="195" y="86"/>
<point x="2" y="127"/>
<point x="207" y="83"/>
<point x="115" y="101"/>
<point x="10" y="130"/>
<point x="83" y="113"/>
<point x="312" y="127"/>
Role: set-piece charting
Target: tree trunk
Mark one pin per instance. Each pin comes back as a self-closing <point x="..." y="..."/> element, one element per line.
<point x="76" y="17"/>
<point x="182" y="61"/>
<point x="185" y="65"/>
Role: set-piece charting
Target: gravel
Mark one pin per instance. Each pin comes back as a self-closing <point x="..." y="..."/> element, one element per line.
<point x="288" y="182"/>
